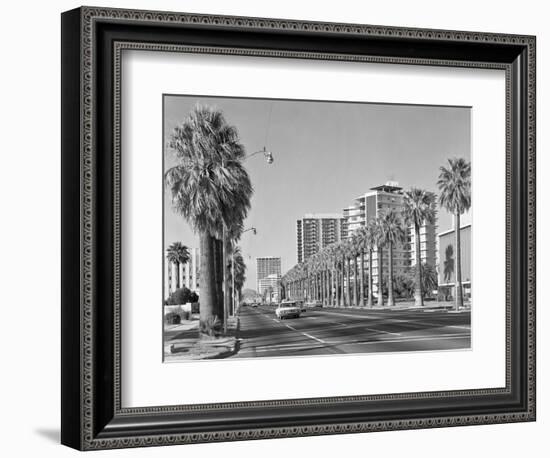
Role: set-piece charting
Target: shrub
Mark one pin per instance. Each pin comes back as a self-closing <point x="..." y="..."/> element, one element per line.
<point x="211" y="327"/>
<point x="181" y="296"/>
<point x="172" y="318"/>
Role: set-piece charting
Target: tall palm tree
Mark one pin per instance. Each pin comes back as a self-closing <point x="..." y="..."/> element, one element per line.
<point x="455" y="187"/>
<point x="210" y="188"/>
<point x="355" y="250"/>
<point x="379" y="243"/>
<point x="332" y="260"/>
<point x="392" y="232"/>
<point x="419" y="208"/>
<point x="368" y="235"/>
<point x="177" y="254"/>
<point x="237" y="273"/>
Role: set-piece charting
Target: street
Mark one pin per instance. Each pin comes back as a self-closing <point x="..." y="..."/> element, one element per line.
<point x="339" y="331"/>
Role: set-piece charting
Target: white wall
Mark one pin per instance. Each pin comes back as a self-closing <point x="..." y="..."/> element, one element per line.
<point x="29" y="229"/>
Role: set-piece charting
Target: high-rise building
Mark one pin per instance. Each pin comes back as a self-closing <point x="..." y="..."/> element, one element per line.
<point x="367" y="208"/>
<point x="267" y="266"/>
<point x="269" y="286"/>
<point x="315" y="231"/>
<point x="187" y="275"/>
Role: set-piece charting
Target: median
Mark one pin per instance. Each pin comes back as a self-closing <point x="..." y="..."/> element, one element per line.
<point x="189" y="345"/>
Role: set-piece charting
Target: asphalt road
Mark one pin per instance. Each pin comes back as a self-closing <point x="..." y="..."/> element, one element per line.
<point x="340" y="331"/>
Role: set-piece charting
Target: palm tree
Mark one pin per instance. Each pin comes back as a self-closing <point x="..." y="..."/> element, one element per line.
<point x="332" y="260"/>
<point x="419" y="208"/>
<point x="178" y="254"/>
<point x="355" y="250"/>
<point x="368" y="236"/>
<point x="237" y="273"/>
<point x="392" y="232"/>
<point x="348" y="253"/>
<point x="456" y="196"/>
<point x="211" y="189"/>
<point x="377" y="236"/>
<point x="339" y="258"/>
<point x="429" y="278"/>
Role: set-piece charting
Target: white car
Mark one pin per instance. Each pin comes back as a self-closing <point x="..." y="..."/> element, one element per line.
<point x="287" y="310"/>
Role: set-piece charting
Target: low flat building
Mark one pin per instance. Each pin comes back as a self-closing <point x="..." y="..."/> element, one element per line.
<point x="447" y="260"/>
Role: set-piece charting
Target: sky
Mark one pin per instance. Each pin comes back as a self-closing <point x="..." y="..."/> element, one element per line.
<point x="325" y="155"/>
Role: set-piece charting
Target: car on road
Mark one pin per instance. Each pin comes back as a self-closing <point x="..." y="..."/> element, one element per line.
<point x="314" y="303"/>
<point x="255" y="304"/>
<point x="288" y="309"/>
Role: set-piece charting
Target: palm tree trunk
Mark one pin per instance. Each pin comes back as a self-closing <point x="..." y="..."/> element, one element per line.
<point x="335" y="286"/>
<point x="380" y="279"/>
<point x="348" y="289"/>
<point x="342" y="293"/>
<point x="178" y="270"/>
<point x="218" y="311"/>
<point x="355" y="279"/>
<point x="418" y="293"/>
<point x="362" y="280"/>
<point x="369" y="280"/>
<point x="323" y="286"/>
<point x="327" y="287"/>
<point x="226" y="297"/>
<point x="208" y="298"/>
<point x="391" y="302"/>
<point x="459" y="299"/>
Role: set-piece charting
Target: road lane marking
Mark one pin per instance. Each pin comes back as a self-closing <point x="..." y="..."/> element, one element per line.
<point x="292" y="347"/>
<point x="362" y="317"/>
<point x="313" y="337"/>
<point x="305" y="334"/>
<point x="383" y="332"/>
<point x="458" y="336"/>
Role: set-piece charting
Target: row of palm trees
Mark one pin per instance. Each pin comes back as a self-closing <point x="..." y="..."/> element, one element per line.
<point x="335" y="274"/>
<point x="211" y="189"/>
<point x="178" y="254"/>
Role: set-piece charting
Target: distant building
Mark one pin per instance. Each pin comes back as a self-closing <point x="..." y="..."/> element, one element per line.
<point x="267" y="266"/>
<point x="447" y="260"/>
<point x="188" y="273"/>
<point x="269" y="286"/>
<point x="367" y="208"/>
<point x="315" y="231"/>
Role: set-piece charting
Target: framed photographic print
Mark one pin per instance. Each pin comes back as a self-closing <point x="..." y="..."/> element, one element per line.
<point x="277" y="228"/>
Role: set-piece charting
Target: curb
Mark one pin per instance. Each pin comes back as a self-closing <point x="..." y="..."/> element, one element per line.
<point x="231" y="350"/>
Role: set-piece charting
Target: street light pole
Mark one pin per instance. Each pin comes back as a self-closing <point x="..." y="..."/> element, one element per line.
<point x="253" y="229"/>
<point x="267" y="154"/>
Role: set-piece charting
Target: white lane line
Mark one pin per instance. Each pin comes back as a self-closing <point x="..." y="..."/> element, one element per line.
<point x="360" y="317"/>
<point x="313" y="337"/>
<point x="383" y="332"/>
<point x="344" y="343"/>
<point x="457" y="336"/>
<point x="305" y="334"/>
<point x="405" y="338"/>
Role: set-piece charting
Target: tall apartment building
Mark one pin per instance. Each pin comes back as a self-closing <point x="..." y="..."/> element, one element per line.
<point x="316" y="231"/>
<point x="188" y="274"/>
<point x="368" y="206"/>
<point x="267" y="266"/>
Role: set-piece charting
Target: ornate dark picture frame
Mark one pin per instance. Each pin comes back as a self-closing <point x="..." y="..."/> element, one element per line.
<point x="92" y="42"/>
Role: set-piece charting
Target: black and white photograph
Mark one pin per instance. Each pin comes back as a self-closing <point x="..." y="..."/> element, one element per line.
<point x="297" y="228"/>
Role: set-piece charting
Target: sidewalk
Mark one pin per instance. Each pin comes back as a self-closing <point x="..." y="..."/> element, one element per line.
<point x="187" y="345"/>
<point x="400" y="306"/>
